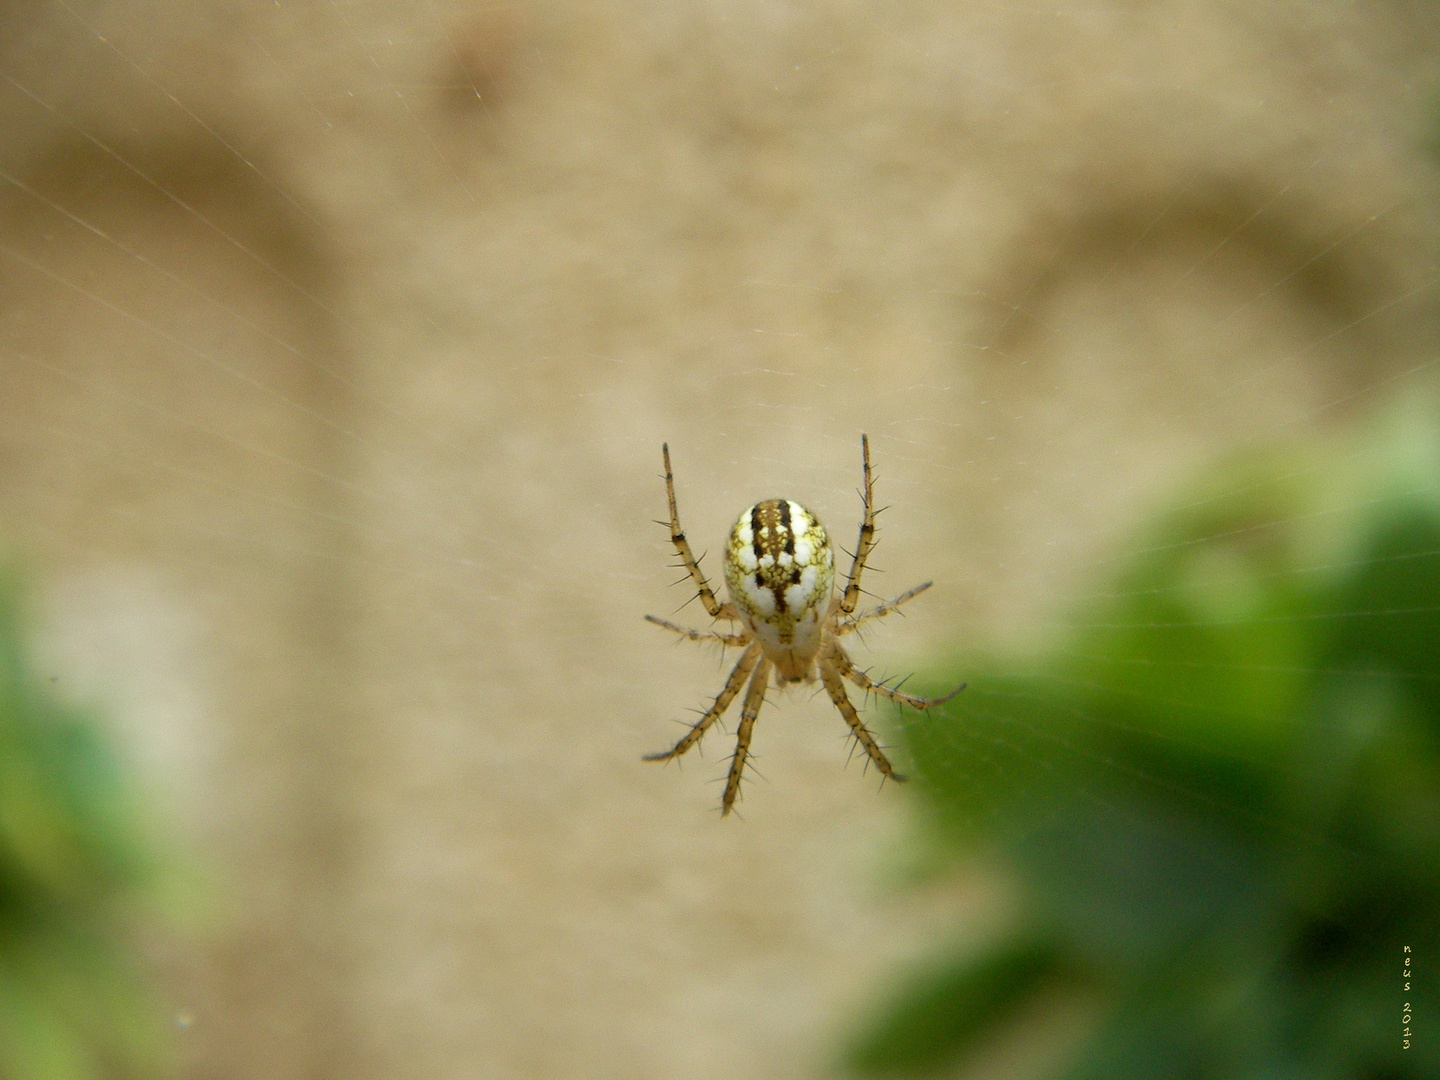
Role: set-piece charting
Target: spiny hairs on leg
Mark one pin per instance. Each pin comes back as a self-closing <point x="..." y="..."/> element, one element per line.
<point x="729" y="640"/>
<point x="830" y="676"/>
<point x="847" y="668"/>
<point x="867" y="536"/>
<point x="747" y="662"/>
<point x="677" y="537"/>
<point x="845" y="626"/>
<point x="754" y="698"/>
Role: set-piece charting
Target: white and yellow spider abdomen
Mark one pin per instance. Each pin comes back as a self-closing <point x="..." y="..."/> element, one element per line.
<point x="779" y="568"/>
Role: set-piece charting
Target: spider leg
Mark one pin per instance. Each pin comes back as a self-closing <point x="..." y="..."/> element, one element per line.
<point x="677" y="537"/>
<point x="830" y="675"/>
<point x="748" y="659"/>
<point x="730" y="640"/>
<point x="754" y="698"/>
<point x="846" y="667"/>
<point x="854" y="623"/>
<point x="867" y="537"/>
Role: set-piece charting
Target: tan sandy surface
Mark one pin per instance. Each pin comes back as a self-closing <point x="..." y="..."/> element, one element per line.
<point x="337" y="345"/>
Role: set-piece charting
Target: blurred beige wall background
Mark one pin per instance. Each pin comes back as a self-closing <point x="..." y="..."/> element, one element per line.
<point x="337" y="346"/>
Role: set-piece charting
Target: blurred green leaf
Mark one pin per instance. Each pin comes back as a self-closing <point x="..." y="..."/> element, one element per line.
<point x="943" y="1011"/>
<point x="73" y="1005"/>
<point x="1221" y="791"/>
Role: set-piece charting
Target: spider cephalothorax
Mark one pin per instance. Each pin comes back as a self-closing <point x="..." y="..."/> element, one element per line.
<point x="780" y="572"/>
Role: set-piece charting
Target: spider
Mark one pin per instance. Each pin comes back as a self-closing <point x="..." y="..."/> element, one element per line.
<point x="780" y="571"/>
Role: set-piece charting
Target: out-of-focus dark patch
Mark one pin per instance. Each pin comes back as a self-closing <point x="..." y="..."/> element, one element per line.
<point x="479" y="58"/>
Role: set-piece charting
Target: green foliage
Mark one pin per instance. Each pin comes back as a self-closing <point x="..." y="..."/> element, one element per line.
<point x="1221" y="794"/>
<point x="71" y="1006"/>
